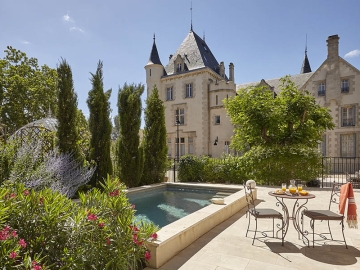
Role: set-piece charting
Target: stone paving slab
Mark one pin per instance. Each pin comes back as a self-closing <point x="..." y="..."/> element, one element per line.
<point x="225" y="247"/>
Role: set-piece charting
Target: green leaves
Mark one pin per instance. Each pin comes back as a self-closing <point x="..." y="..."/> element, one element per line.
<point x="279" y="135"/>
<point x="155" y="149"/>
<point x="27" y="91"/>
<point x="95" y="233"/>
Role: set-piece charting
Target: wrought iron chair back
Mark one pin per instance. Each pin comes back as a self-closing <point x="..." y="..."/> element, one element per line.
<point x="249" y="198"/>
<point x="335" y="194"/>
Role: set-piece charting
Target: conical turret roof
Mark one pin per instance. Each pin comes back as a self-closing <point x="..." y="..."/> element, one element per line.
<point x="306" y="65"/>
<point x="154" y="55"/>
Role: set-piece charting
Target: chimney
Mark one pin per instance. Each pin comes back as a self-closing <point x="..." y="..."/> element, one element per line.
<point x="231" y="72"/>
<point x="170" y="56"/>
<point x="333" y="47"/>
<point x="222" y="69"/>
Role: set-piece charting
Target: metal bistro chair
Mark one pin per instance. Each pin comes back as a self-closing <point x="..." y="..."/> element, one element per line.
<point x="325" y="215"/>
<point x="259" y="213"/>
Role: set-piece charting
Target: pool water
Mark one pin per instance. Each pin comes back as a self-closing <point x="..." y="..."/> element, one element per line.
<point x="165" y="206"/>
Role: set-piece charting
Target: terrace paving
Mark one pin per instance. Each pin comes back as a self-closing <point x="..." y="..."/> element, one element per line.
<point x="225" y="247"/>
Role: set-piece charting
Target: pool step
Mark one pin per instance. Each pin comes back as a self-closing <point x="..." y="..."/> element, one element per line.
<point x="221" y="194"/>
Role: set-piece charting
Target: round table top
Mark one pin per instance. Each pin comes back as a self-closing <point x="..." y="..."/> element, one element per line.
<point x="288" y="195"/>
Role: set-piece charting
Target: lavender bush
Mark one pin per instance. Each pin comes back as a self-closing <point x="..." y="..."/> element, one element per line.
<point x="60" y="172"/>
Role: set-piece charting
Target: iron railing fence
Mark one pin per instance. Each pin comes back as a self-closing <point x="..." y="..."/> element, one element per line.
<point x="339" y="170"/>
<point x="335" y="169"/>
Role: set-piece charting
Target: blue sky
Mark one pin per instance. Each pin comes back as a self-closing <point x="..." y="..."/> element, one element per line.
<point x="264" y="39"/>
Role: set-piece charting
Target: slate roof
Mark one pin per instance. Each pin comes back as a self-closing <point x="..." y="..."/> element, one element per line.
<point x="299" y="80"/>
<point x="196" y="53"/>
<point x="306" y="65"/>
<point x="154" y="55"/>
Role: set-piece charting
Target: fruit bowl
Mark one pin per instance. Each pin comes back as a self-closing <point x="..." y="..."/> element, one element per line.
<point x="303" y="193"/>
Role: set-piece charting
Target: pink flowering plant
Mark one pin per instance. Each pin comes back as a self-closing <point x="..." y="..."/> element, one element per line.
<point x="46" y="230"/>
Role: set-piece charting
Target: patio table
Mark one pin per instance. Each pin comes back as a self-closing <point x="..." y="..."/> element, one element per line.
<point x="281" y="198"/>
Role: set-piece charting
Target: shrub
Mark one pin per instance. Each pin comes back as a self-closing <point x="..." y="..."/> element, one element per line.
<point x="97" y="233"/>
<point x="205" y="169"/>
<point x="58" y="171"/>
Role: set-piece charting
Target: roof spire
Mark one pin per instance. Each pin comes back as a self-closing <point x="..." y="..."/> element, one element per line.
<point x="154" y="55"/>
<point x="204" y="36"/>
<point x="191" y="28"/>
<point x="306" y="65"/>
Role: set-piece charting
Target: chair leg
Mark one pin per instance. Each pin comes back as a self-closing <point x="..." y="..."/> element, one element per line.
<point x="282" y="232"/>
<point x="248" y="225"/>
<point x="330" y="230"/>
<point x="255" y="231"/>
<point x="313" y="227"/>
<point x="342" y="227"/>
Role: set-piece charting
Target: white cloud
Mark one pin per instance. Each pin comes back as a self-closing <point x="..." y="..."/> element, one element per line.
<point x="76" y="29"/>
<point x="353" y="53"/>
<point x="25" y="42"/>
<point x="67" y="18"/>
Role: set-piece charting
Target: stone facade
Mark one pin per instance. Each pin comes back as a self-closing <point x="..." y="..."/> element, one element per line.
<point x="192" y="92"/>
<point x="341" y="94"/>
<point x="335" y="85"/>
<point x="193" y="86"/>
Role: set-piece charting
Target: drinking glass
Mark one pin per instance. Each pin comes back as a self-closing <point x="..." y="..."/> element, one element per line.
<point x="300" y="187"/>
<point x="283" y="186"/>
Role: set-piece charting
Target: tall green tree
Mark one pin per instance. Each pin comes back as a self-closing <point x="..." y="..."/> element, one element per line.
<point x="27" y="91"/>
<point x="67" y="131"/>
<point x="154" y="142"/>
<point x="100" y="126"/>
<point x="130" y="157"/>
<point x="278" y="136"/>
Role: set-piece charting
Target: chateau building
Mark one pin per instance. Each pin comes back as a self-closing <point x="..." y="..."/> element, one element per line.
<point x="335" y="85"/>
<point x="193" y="85"/>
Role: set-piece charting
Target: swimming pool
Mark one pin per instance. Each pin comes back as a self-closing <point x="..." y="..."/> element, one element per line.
<point x="165" y="205"/>
<point x="179" y="234"/>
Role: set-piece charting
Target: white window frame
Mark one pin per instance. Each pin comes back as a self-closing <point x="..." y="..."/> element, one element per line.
<point x="190" y="145"/>
<point x="345" y="86"/>
<point x="227" y="147"/>
<point x="348" y="116"/>
<point x="178" y="67"/>
<point x="348" y="145"/>
<point x="180" y="115"/>
<point x="321" y="89"/>
<point x="188" y="90"/>
<point x="169" y="93"/>
<point x="168" y="143"/>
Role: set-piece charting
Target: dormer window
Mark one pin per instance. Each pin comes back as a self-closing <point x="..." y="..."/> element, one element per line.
<point x="178" y="68"/>
<point x="179" y="64"/>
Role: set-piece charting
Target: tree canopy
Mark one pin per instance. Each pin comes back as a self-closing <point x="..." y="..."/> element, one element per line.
<point x="129" y="154"/>
<point x="100" y="126"/>
<point x="277" y="134"/>
<point x="27" y="91"/>
<point x="67" y="131"/>
<point x="155" y="149"/>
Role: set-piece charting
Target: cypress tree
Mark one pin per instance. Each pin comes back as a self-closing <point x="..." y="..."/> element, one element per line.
<point x="100" y="126"/>
<point x="155" y="149"/>
<point x="67" y="132"/>
<point x="130" y="159"/>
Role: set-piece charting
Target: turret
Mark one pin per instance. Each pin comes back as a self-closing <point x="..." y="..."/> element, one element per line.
<point x="154" y="70"/>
